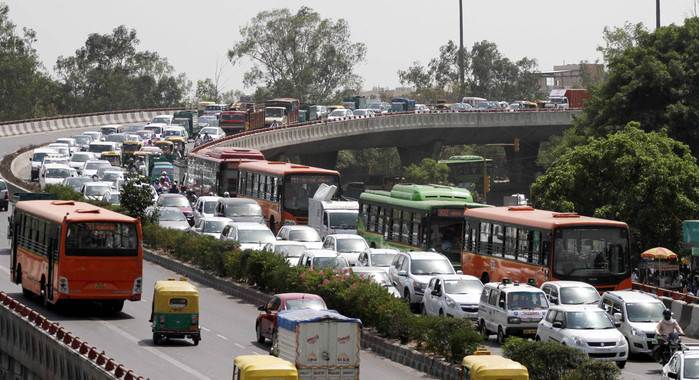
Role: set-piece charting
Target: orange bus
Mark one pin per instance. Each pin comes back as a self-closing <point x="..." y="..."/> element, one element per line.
<point x="282" y="189"/>
<point x="66" y="250"/>
<point x="522" y="243"/>
<point x="215" y="169"/>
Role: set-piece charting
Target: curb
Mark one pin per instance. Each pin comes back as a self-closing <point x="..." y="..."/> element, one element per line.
<point x="379" y="345"/>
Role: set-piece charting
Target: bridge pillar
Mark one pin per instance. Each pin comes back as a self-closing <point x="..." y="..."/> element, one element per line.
<point x="521" y="165"/>
<point x="327" y="160"/>
<point x="415" y="154"/>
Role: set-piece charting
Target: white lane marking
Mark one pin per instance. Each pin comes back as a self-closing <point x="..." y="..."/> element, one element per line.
<point x="221" y="336"/>
<point x="155" y="352"/>
<point x="239" y="345"/>
<point x="205" y="329"/>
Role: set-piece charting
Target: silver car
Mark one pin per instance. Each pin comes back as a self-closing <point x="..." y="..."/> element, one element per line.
<point x="173" y="218"/>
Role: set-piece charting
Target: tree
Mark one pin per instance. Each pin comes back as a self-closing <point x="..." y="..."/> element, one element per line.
<point x="109" y="73"/>
<point x="300" y="55"/>
<point x="428" y="171"/>
<point x="207" y="90"/>
<point x="652" y="79"/>
<point x="136" y="196"/>
<point x="618" y="39"/>
<point x="643" y="178"/>
<point x="26" y="91"/>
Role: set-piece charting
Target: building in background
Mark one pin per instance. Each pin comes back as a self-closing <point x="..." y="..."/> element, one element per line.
<point x="576" y="75"/>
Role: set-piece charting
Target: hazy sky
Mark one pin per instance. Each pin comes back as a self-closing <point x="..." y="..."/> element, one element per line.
<point x="194" y="34"/>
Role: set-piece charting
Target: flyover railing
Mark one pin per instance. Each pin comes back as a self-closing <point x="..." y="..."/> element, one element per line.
<point x="661" y="292"/>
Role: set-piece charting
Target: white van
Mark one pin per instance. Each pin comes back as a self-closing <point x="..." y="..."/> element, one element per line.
<point x="508" y="308"/>
<point x="639" y="314"/>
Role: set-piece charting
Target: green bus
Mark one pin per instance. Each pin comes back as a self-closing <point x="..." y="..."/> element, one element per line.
<point x="415" y="217"/>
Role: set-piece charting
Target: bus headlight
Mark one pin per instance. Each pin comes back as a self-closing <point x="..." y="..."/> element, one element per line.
<point x="63" y="285"/>
<point x="137" y="286"/>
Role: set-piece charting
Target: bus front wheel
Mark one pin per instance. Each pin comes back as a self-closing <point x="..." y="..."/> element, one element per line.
<point x="485" y="278"/>
<point x="272" y="225"/>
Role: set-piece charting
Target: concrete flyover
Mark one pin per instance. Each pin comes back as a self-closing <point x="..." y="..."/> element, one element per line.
<point x="416" y="135"/>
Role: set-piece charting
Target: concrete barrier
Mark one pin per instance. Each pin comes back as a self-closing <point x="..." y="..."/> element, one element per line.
<point x="667" y="301"/>
<point x="685" y="316"/>
<point x="32" y="347"/>
<point x="692" y="328"/>
<point x="676" y="308"/>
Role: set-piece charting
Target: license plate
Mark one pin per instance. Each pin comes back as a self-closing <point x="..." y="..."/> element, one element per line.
<point x="529" y="331"/>
<point x="654" y="341"/>
<point x="99" y="285"/>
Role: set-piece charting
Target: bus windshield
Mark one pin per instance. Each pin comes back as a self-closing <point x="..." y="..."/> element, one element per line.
<point x="101" y="239"/>
<point x="299" y="187"/>
<point x="583" y="252"/>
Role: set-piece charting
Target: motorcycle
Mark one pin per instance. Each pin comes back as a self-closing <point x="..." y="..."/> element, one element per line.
<point x="666" y="348"/>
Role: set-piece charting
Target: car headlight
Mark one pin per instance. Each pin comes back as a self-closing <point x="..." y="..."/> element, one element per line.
<point x="419" y="286"/>
<point x="638" y="332"/>
<point x="621" y="341"/>
<point x="579" y="342"/>
<point x="450" y="302"/>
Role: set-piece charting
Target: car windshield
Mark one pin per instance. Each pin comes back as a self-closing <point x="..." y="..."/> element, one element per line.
<point x="172" y="133"/>
<point x="289" y="250"/>
<point x="210" y="207"/>
<point x="153" y="128"/>
<point x="208" y="131"/>
<point x="338" y="262"/>
<point x="39" y="156"/>
<point x="305" y="304"/>
<point x="338" y="112"/>
<point x="645" y="312"/>
<point x="691" y="368"/>
<point x="170" y="215"/>
<point x="77" y="157"/>
<point x="82" y="140"/>
<point x="591" y="252"/>
<point x="116" y="138"/>
<point x="343" y="220"/>
<point x="96" y="190"/>
<point x="179" y="201"/>
<point x="360" y="112"/>
<point x="305" y="235"/>
<point x="382" y="259"/>
<point x="299" y="187"/>
<point x="97" y="165"/>
<point x="57" y="173"/>
<point x="163" y="120"/>
<point x="579" y="295"/>
<point x="351" y="245"/>
<point x="76" y="181"/>
<point x="111" y="176"/>
<point x="255" y="236"/>
<point x="380" y="278"/>
<point x="431" y="266"/>
<point x="101" y="239"/>
<point x="588" y="320"/>
<point x="214" y="226"/>
<point x="242" y="209"/>
<point x="526" y="301"/>
<point x="462" y="286"/>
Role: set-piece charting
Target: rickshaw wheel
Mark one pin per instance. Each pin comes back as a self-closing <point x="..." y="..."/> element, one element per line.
<point x="196" y="340"/>
<point x="156" y="339"/>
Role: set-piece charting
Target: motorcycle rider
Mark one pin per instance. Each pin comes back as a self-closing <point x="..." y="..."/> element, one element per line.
<point x="667" y="330"/>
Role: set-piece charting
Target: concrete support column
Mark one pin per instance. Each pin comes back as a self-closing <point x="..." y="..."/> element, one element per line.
<point x="327" y="160"/>
<point x="415" y="154"/>
<point x="521" y="166"/>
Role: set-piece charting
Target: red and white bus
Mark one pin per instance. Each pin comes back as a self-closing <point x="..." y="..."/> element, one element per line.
<point x="65" y="250"/>
<point x="215" y="170"/>
<point x="522" y="243"/>
<point x="282" y="189"/>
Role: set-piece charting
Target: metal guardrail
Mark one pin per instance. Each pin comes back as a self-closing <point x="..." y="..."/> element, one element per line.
<point x="660" y="292"/>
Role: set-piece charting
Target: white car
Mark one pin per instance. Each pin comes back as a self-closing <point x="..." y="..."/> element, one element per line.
<point x="162" y="119"/>
<point x="683" y="365"/>
<point x="507" y="309"/>
<point x="340" y="113"/>
<point x="377" y="257"/>
<point x="421" y="108"/>
<point x="411" y="271"/>
<point x="639" y="314"/>
<point x="175" y="131"/>
<point x="211" y="226"/>
<point x="379" y="276"/>
<point x="72" y="144"/>
<point x="171" y="217"/>
<point x="214" y="133"/>
<point x="205" y="207"/>
<point x="304" y="234"/>
<point x="75" y="183"/>
<point x="55" y="159"/>
<point x="61" y="148"/>
<point x="249" y="235"/>
<point x="113" y="176"/>
<point x="156" y="128"/>
<point x="290" y="250"/>
<point x="320" y="259"/>
<point x="82" y="141"/>
<point x="453" y="295"/>
<point x="363" y="112"/>
<point x="100" y="147"/>
<point x="95" y="190"/>
<point x="113" y="197"/>
<point x="37" y="159"/>
<point x="78" y="159"/>
<point x="95" y="135"/>
<point x="570" y="293"/>
<point x="54" y="174"/>
<point x="587" y="328"/>
<point x="349" y="246"/>
<point x="93" y="166"/>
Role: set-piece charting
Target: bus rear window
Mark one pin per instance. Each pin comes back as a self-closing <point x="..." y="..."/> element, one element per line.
<point x="101" y="239"/>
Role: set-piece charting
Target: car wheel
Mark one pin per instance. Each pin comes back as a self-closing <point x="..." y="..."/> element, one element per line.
<point x="258" y="333"/>
<point x="274" y="349"/>
<point x="441" y="312"/>
<point x="621" y="364"/>
<point x="406" y="296"/>
<point x="537" y="339"/>
<point x="501" y="336"/>
<point x="484" y="330"/>
<point x="424" y="310"/>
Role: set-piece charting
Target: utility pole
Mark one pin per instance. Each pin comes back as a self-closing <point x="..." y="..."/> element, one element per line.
<point x="657" y="14"/>
<point x="461" y="50"/>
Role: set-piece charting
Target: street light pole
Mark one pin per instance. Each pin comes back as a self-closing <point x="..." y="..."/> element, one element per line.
<point x="461" y="50"/>
<point x="657" y="14"/>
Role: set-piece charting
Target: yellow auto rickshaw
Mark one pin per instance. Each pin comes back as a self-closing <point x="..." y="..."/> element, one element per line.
<point x="113" y="157"/>
<point x="128" y="148"/>
<point x="179" y="145"/>
<point x="484" y="366"/>
<point x="260" y="367"/>
<point x="168" y="149"/>
<point x="175" y="311"/>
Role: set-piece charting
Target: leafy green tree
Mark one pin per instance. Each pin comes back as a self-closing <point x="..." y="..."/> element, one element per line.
<point x="300" y="55"/>
<point x="645" y="179"/>
<point x="109" y="73"/>
<point x="26" y="91"/>
<point x="371" y="161"/>
<point x="618" y="39"/>
<point x="427" y="171"/>
<point x="207" y="90"/>
<point x="136" y="196"/>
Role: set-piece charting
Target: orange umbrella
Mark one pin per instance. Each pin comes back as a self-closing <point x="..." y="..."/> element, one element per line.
<point x="659" y="253"/>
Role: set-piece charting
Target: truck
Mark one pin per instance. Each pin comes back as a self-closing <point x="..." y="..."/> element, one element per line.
<point x="355" y="102"/>
<point x="187" y="119"/>
<point x="567" y="98"/>
<point x="402" y="105"/>
<point x="237" y="121"/>
<point x="322" y="344"/>
<point x="328" y="216"/>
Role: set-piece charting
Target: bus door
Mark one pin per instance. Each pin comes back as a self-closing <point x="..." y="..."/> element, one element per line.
<point x="446" y="232"/>
<point x="14" y="226"/>
<point x="52" y="256"/>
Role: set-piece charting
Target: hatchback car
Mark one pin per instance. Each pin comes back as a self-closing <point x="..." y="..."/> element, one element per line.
<point x="211" y="226"/>
<point x="410" y="272"/>
<point x="349" y="246"/>
<point x="321" y="259"/>
<point x="683" y="365"/>
<point x="179" y="201"/>
<point x="570" y="293"/>
<point x="290" y="250"/>
<point x="587" y="328"/>
<point x="266" y="322"/>
<point x="75" y="183"/>
<point x="304" y="234"/>
<point x="205" y="206"/>
<point x="91" y="167"/>
<point x="639" y="314"/>
<point x="379" y="276"/>
<point x="240" y="210"/>
<point x="453" y="295"/>
<point x="95" y="190"/>
<point x="171" y="217"/>
<point x="377" y="257"/>
<point x="78" y="159"/>
<point x="339" y="114"/>
<point x="214" y="133"/>
<point x="249" y="235"/>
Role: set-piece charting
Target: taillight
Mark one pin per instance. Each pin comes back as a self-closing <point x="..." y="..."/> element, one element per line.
<point x="137" y="286"/>
<point x="195" y="319"/>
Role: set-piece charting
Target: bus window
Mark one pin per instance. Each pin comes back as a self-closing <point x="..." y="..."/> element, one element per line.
<point x="510" y="243"/>
<point x="395" y="230"/>
<point x="415" y="239"/>
<point x="484" y="247"/>
<point x="497" y="240"/>
<point x="101" y="239"/>
<point x="536" y="247"/>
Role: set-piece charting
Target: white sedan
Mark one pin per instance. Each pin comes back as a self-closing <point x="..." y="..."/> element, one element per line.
<point x="214" y="132"/>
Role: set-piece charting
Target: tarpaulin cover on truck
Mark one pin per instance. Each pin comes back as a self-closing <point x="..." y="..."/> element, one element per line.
<point x="289" y="319"/>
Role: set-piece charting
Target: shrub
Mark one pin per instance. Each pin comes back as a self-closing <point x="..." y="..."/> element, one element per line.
<point x="544" y="360"/>
<point x="596" y="369"/>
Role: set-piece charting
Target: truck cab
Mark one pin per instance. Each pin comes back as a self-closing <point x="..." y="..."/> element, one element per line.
<point x="333" y="217"/>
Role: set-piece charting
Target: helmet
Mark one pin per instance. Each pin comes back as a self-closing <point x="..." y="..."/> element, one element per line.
<point x="226" y="194"/>
<point x="667" y="314"/>
<point x="164" y="173"/>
